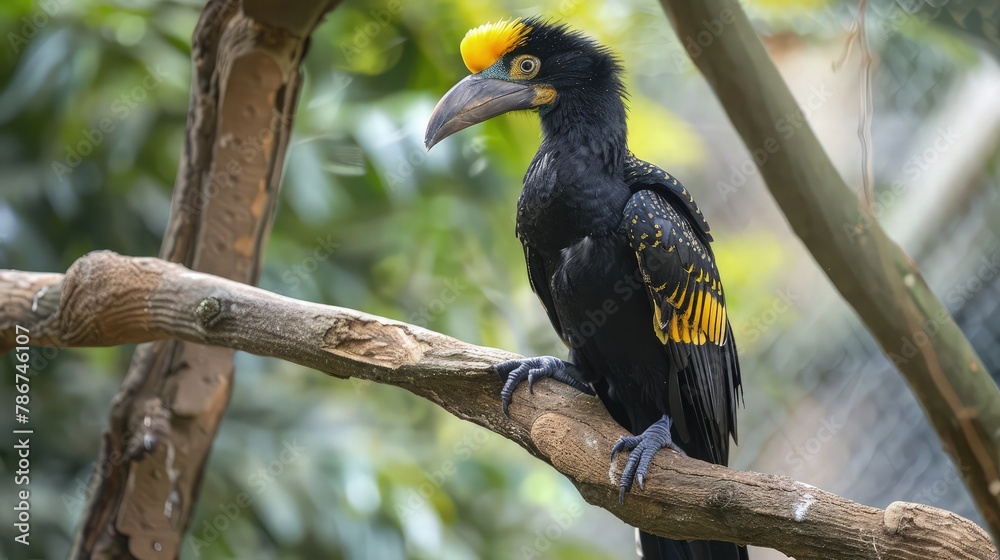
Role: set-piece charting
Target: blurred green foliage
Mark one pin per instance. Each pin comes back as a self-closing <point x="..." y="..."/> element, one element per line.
<point x="306" y="466"/>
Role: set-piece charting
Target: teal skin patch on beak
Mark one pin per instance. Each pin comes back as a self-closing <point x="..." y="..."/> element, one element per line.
<point x="498" y="71"/>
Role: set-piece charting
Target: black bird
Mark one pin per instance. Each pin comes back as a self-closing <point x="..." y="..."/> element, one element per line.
<point x="617" y="251"/>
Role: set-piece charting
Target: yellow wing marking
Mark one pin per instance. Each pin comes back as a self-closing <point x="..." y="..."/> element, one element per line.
<point x="702" y="320"/>
<point x="695" y="310"/>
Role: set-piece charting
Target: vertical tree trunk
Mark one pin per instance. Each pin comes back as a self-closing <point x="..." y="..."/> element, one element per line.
<point x="245" y="85"/>
<point x="872" y="273"/>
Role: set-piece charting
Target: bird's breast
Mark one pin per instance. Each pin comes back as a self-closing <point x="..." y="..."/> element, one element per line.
<point x="601" y="300"/>
<point x="567" y="198"/>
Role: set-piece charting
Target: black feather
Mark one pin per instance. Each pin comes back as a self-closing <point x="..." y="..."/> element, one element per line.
<point x="597" y="225"/>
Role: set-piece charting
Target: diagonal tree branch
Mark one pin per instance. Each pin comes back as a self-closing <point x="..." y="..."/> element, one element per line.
<point x="106" y="299"/>
<point x="873" y="274"/>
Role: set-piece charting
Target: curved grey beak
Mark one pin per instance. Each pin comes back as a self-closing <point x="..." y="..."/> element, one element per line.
<point x="476" y="99"/>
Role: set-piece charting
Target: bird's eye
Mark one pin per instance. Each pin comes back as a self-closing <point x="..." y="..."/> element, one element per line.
<point x="525" y="67"/>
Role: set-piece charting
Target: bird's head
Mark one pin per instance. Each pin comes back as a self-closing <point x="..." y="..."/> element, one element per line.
<point x="525" y="64"/>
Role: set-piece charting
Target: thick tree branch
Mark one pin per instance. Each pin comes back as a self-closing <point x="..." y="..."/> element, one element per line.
<point x="245" y="86"/>
<point x="873" y="274"/>
<point x="106" y="299"/>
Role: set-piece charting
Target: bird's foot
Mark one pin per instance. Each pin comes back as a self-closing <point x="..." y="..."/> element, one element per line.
<point x="642" y="448"/>
<point x="535" y="369"/>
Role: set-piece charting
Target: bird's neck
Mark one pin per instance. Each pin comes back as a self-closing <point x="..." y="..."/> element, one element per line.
<point x="594" y="120"/>
<point x="575" y="186"/>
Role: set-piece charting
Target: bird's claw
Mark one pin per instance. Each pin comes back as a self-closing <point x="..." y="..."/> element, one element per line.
<point x="642" y="448"/>
<point x="533" y="369"/>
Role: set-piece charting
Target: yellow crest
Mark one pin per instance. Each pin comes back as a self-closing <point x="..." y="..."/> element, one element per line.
<point x="485" y="44"/>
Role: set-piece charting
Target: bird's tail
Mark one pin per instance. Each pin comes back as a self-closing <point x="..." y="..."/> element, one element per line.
<point x="659" y="548"/>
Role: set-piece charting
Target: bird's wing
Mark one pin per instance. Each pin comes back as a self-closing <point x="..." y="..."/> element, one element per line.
<point x="539" y="280"/>
<point x="689" y="311"/>
<point x="642" y="175"/>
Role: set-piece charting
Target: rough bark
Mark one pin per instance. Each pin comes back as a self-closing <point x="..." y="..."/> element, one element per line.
<point x="245" y="85"/>
<point x="106" y="299"/>
<point x="871" y="272"/>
